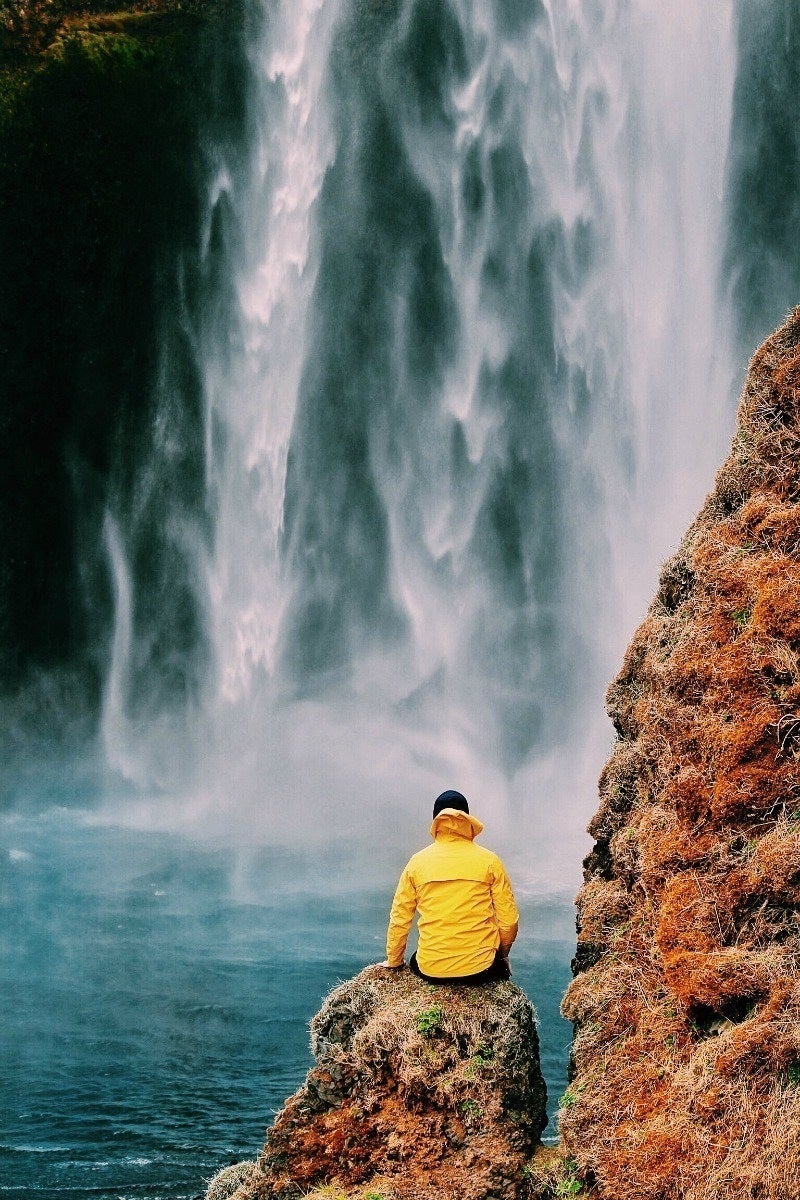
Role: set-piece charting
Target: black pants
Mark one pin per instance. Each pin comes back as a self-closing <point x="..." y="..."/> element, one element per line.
<point x="498" y="970"/>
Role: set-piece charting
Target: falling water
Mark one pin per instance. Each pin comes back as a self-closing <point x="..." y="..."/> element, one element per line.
<point x="471" y="380"/>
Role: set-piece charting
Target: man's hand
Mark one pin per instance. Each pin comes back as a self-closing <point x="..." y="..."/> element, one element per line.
<point x="391" y="966"/>
<point x="507" y="938"/>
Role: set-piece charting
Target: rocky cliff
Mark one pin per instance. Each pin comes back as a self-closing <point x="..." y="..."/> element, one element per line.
<point x="417" y="1092"/>
<point x="686" y="998"/>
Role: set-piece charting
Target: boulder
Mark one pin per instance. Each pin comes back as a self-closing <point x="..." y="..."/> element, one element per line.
<point x="417" y="1091"/>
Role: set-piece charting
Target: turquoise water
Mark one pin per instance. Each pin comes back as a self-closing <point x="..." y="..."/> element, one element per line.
<point x="157" y="996"/>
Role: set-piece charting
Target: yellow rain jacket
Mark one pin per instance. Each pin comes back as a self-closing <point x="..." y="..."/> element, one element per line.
<point x="464" y="899"/>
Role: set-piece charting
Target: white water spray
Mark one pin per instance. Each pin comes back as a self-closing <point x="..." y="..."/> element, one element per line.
<point x="594" y="139"/>
<point x="115" y="730"/>
<point x="646" y="128"/>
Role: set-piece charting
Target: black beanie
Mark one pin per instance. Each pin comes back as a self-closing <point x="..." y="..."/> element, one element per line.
<point x="450" y="800"/>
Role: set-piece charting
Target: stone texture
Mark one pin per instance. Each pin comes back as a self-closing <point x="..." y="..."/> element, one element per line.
<point x="417" y="1091"/>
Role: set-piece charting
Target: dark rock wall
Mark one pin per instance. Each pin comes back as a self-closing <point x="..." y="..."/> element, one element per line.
<point x="102" y="179"/>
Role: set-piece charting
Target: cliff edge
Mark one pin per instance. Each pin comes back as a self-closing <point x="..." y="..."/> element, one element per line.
<point x="686" y="997"/>
<point x="417" y="1092"/>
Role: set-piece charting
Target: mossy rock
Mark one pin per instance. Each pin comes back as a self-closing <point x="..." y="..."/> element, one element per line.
<point x="685" y="1001"/>
<point x="417" y="1091"/>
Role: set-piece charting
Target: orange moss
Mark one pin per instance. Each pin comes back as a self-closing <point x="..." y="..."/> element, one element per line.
<point x="688" y="794"/>
<point x="774" y="868"/>
<point x="775" y="612"/>
<point x="689" y="917"/>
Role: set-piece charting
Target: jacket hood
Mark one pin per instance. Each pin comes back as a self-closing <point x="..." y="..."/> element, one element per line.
<point x="452" y="820"/>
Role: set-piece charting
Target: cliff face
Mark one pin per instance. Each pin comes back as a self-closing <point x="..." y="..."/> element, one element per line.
<point x="417" y="1091"/>
<point x="686" y="998"/>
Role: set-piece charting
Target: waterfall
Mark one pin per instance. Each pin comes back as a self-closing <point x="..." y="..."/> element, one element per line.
<point x="466" y="382"/>
<point x="251" y="393"/>
<point x="115" y="721"/>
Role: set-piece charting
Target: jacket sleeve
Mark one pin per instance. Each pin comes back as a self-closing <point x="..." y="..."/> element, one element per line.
<point x="404" y="906"/>
<point x="505" y="907"/>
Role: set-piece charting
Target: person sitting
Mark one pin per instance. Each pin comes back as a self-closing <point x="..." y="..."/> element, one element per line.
<point x="468" y="918"/>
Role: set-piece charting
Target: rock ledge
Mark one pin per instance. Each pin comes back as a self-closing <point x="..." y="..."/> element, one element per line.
<point x="418" y="1092"/>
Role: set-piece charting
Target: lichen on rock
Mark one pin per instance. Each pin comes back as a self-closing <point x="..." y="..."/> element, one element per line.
<point x="686" y="999"/>
<point x="417" y="1091"/>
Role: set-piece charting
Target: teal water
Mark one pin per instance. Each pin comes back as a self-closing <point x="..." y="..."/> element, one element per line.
<point x="157" y="997"/>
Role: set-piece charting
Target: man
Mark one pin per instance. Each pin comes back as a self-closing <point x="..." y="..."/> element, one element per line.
<point x="467" y="915"/>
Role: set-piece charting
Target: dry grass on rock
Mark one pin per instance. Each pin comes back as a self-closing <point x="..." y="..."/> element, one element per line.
<point x="686" y="1002"/>
<point x="227" y="1182"/>
<point x="418" y="1092"/>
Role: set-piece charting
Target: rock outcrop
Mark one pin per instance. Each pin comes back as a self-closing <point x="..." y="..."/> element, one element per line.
<point x="686" y="996"/>
<point x="417" y="1092"/>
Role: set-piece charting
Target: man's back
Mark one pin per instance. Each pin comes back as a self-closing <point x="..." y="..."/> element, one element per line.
<point x="464" y="899"/>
